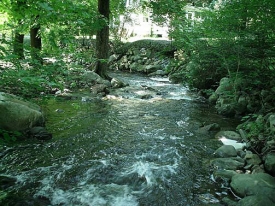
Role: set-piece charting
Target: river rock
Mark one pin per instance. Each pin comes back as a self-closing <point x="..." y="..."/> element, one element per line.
<point x="252" y="159"/>
<point x="242" y="105"/>
<point x="113" y="58"/>
<point x="261" y="184"/>
<point x="158" y="73"/>
<point x="226" y="106"/>
<point x="136" y="67"/>
<point x="40" y="133"/>
<point x="116" y="83"/>
<point x="228" y="202"/>
<point x="99" y="89"/>
<point x="18" y="114"/>
<point x="229" y="135"/>
<point x="213" y="98"/>
<point x="255" y="200"/>
<point x="271" y="120"/>
<point x="226" y="151"/>
<point x="269" y="163"/>
<point x="232" y="163"/>
<point x="224" y="174"/>
<point x="208" y="128"/>
<point x="258" y="169"/>
<point x="224" y="86"/>
<point x="152" y="68"/>
<point x="90" y="77"/>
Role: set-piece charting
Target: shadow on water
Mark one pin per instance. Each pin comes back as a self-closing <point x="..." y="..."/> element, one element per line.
<point x="121" y="150"/>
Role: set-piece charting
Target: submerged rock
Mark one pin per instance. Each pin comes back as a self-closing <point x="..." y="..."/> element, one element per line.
<point x="40" y="133"/>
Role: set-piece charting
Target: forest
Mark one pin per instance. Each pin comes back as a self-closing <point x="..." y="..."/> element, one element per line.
<point x="222" y="50"/>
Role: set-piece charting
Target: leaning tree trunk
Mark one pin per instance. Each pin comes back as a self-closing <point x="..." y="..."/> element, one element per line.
<point x="18" y="48"/>
<point x="36" y="43"/>
<point x="102" y="40"/>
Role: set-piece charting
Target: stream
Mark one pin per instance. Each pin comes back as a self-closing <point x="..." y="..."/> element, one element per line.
<point x="138" y="146"/>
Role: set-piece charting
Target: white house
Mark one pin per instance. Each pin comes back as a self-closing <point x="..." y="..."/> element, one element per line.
<point x="137" y="23"/>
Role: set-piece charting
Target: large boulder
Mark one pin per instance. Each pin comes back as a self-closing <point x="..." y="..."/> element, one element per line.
<point x="228" y="101"/>
<point x="233" y="163"/>
<point x="222" y="174"/>
<point x="18" y="114"/>
<point x="269" y="163"/>
<point x="117" y="83"/>
<point x="224" y="87"/>
<point x="226" y="105"/>
<point x="252" y="159"/>
<point x="92" y="78"/>
<point x="152" y="68"/>
<point x="255" y="200"/>
<point x="261" y="184"/>
<point x="226" y="151"/>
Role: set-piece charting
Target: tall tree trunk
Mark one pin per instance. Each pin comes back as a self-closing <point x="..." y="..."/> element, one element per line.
<point x="18" y="45"/>
<point x="18" y="41"/>
<point x="102" y="40"/>
<point x="36" y="43"/>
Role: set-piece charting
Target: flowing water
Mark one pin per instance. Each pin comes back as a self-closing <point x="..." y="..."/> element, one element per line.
<point x="137" y="146"/>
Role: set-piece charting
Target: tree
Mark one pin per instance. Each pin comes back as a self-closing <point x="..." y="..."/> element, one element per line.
<point x="18" y="42"/>
<point x="102" y="39"/>
<point x="16" y="13"/>
<point x="36" y="42"/>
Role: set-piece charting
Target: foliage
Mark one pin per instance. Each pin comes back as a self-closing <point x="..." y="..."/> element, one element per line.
<point x="232" y="39"/>
<point x="253" y="124"/>
<point x="9" y="136"/>
<point x="29" y="82"/>
<point x="256" y="128"/>
<point x="67" y="29"/>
